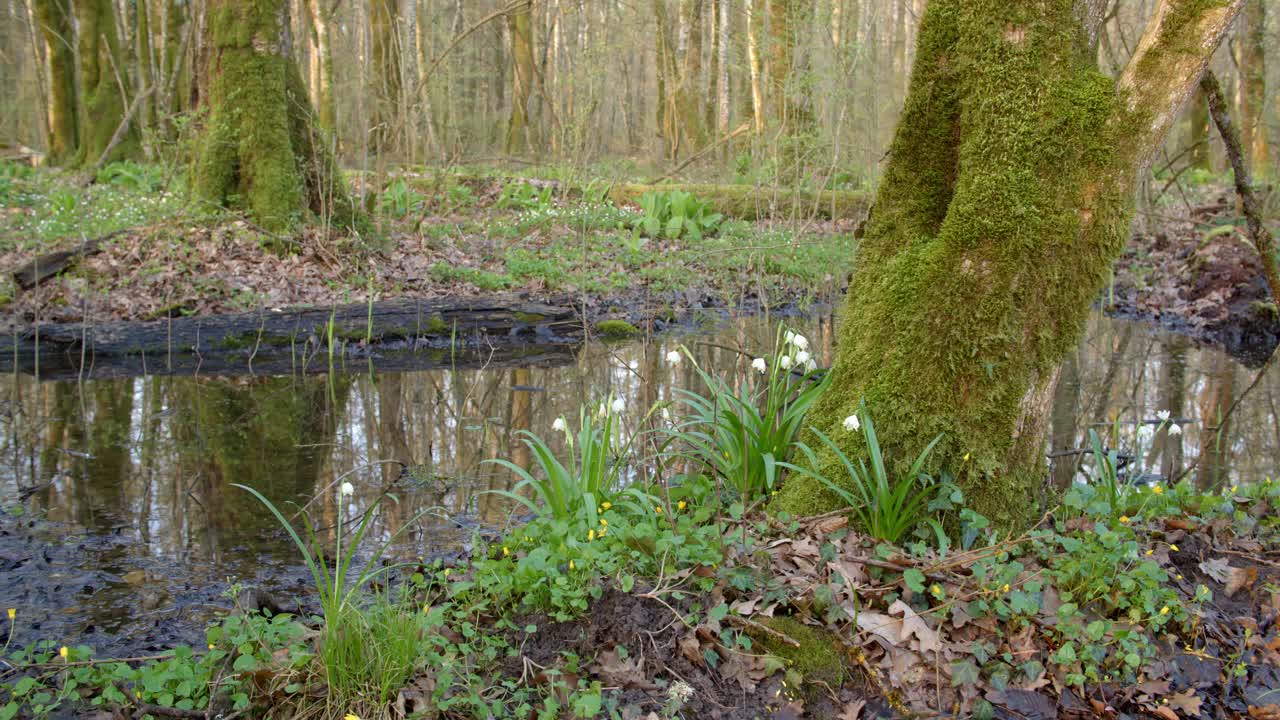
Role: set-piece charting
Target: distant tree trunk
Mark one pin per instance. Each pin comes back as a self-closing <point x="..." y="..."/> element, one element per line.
<point x="175" y="72"/>
<point x="1001" y="209"/>
<point x="384" y="22"/>
<point x="322" y="12"/>
<point x="104" y="85"/>
<point x="693" y="107"/>
<point x="146" y="69"/>
<point x="1199" y="119"/>
<point x="1253" y="90"/>
<point x="54" y="17"/>
<point x="722" y="69"/>
<point x="521" y="26"/>
<point x="755" y="16"/>
<point x="261" y="150"/>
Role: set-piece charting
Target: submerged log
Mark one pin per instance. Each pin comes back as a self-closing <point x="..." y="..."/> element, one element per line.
<point x="453" y="332"/>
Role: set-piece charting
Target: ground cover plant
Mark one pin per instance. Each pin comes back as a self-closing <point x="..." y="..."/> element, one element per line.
<point x="636" y="578"/>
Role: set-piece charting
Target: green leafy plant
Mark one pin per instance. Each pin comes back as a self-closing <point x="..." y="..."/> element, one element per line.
<point x="886" y="508"/>
<point x="674" y="214"/>
<point x="596" y="459"/>
<point x="526" y="196"/>
<point x="398" y="200"/>
<point x="741" y="434"/>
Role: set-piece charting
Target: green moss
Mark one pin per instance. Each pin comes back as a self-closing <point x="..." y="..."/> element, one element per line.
<point x="529" y="318"/>
<point x="818" y="660"/>
<point x="436" y="326"/>
<point x="616" y="329"/>
<point x="989" y="238"/>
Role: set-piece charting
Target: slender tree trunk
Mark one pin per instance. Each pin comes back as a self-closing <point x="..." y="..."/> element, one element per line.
<point x="1199" y="138"/>
<point x="722" y="68"/>
<point x="54" y="18"/>
<point x="322" y="12"/>
<point x="1253" y="87"/>
<point x="755" y="16"/>
<point x="521" y="27"/>
<point x="384" y="23"/>
<point x="1002" y="207"/>
<point x="104" y="85"/>
<point x="261" y="150"/>
<point x="146" y="68"/>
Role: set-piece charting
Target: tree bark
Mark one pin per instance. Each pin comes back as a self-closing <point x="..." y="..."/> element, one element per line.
<point x="521" y="27"/>
<point x="383" y="21"/>
<point x="322" y="12"/>
<point x="1007" y="195"/>
<point x="755" y="16"/>
<point x="1199" y="138"/>
<point x="104" y="84"/>
<point x="261" y="151"/>
<point x="54" y="17"/>
<point x="1253" y="91"/>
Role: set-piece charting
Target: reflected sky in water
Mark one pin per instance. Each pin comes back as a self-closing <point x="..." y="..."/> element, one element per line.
<point x="136" y="473"/>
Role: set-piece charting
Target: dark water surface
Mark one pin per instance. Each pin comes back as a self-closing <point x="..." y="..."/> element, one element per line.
<point x="121" y="529"/>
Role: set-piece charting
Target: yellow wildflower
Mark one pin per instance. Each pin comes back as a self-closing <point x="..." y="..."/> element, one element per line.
<point x="591" y="535"/>
<point x="966" y="457"/>
<point x="1179" y="576"/>
<point x="681" y="505"/>
<point x="657" y="509"/>
<point x="505" y="551"/>
<point x="1173" y="547"/>
<point x="1234" y="488"/>
<point x="936" y="590"/>
<point x="604" y="523"/>
<point x="351" y="716"/>
<point x="62" y="652"/>
<point x="210" y="646"/>
<point x="570" y="564"/>
<point x="1149" y="551"/>
<point x="606" y="505"/>
<point x="1158" y="489"/>
<point x="1005" y="588"/>
<point x="13" y="613"/>
<point x="1164" y="610"/>
<point x="1124" y="519"/>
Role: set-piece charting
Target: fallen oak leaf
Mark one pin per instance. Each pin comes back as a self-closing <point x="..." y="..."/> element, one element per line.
<point x="913" y="624"/>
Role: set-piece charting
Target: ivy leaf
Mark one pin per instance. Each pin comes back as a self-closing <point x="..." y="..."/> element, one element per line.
<point x="964" y="672"/>
<point x="914" y="579"/>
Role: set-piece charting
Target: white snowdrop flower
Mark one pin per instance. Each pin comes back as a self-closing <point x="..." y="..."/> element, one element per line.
<point x="559" y="425"/>
<point x="666" y="414"/>
<point x="802" y="357"/>
<point x="673" y="357"/>
<point x="851" y="423"/>
<point x="618" y="405"/>
<point x="347" y="488"/>
<point x="600" y="411"/>
<point x="1163" y="415"/>
<point x="801" y="342"/>
<point x="1175" y="429"/>
<point x="784" y="362"/>
<point x="811" y="365"/>
<point x="759" y="365"/>
<point x="788" y="336"/>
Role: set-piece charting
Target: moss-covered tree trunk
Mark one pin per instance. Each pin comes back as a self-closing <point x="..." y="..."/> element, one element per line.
<point x="1007" y="196"/>
<point x="521" y="30"/>
<point x="1253" y="79"/>
<point x="104" y="86"/>
<point x="261" y="151"/>
<point x="1199" y="140"/>
<point x="54" y="17"/>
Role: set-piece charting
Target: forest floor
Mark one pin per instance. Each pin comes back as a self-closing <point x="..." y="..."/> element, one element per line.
<point x="450" y="235"/>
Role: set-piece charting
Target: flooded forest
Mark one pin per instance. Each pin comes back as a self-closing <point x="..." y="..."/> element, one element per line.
<point x="639" y="359"/>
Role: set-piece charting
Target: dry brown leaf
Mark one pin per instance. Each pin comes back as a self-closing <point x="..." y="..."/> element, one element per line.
<point x="1163" y="711"/>
<point x="1218" y="569"/>
<point x="1265" y="712"/>
<point x="1186" y="702"/>
<point x="692" y="650"/>
<point x="626" y="673"/>
<point x="913" y="624"/>
<point x="883" y="626"/>
<point x="852" y="710"/>
<point x="1241" y="579"/>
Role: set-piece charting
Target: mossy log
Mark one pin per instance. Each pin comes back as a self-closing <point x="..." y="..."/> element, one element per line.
<point x="449" y="331"/>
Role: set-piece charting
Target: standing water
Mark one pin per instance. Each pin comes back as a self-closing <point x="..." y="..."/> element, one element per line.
<point x="120" y="528"/>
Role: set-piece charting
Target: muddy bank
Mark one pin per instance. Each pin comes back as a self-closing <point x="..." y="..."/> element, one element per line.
<point x="1197" y="274"/>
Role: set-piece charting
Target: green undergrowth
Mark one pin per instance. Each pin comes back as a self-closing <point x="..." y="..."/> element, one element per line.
<point x="798" y="610"/>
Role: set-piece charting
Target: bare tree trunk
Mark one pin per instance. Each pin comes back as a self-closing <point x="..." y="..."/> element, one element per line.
<point x="521" y="26"/>
<point x="755" y="16"/>
<point x="54" y="17"/>
<point x="1199" y="138"/>
<point x="384" y="19"/>
<point x="104" y="85"/>
<point x="322" y="12"/>
<point x="722" y="69"/>
<point x="1253" y="87"/>
<point x="992" y="232"/>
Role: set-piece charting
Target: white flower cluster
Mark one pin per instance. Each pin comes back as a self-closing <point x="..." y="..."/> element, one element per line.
<point x="796" y="353"/>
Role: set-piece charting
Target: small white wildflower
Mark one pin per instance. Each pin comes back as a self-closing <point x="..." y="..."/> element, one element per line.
<point x="347" y="488"/>
<point x="618" y="405"/>
<point x="559" y="425"/>
<point x="851" y="423"/>
<point x="673" y="357"/>
<point x="1175" y="429"/>
<point x="666" y="414"/>
<point x="600" y="411"/>
<point x="1163" y="415"/>
<point x="788" y="336"/>
<point x="811" y="365"/>
<point x="802" y="357"/>
<point x="759" y="365"/>
<point x="801" y="342"/>
<point x="784" y="362"/>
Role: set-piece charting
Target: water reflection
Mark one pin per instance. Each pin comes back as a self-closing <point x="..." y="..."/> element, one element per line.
<point x="140" y="468"/>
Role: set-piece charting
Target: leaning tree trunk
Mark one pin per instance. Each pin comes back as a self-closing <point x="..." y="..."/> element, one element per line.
<point x="104" y="85"/>
<point x="261" y="151"/>
<point x="54" y="17"/>
<point x="1007" y="196"/>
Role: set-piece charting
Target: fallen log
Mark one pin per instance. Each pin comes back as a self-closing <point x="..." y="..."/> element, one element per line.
<point x="50" y="264"/>
<point x="460" y="331"/>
